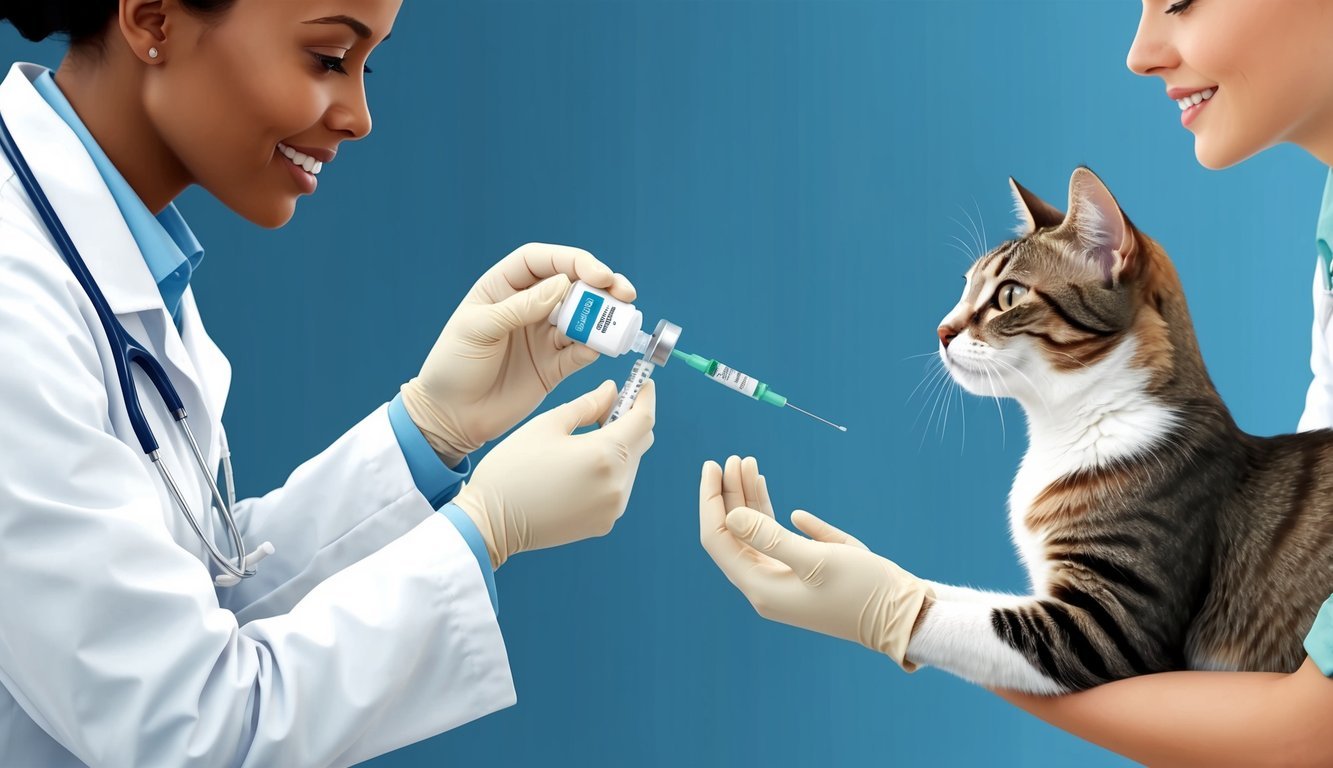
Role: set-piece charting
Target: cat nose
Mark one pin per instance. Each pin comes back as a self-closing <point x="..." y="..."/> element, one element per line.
<point x="947" y="334"/>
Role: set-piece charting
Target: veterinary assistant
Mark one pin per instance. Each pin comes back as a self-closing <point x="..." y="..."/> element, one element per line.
<point x="358" y="615"/>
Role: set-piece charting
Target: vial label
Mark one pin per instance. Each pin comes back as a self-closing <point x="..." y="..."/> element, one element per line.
<point x="733" y="379"/>
<point x="585" y="317"/>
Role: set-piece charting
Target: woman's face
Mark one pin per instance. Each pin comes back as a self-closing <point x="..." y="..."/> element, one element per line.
<point x="1267" y="63"/>
<point x="230" y="95"/>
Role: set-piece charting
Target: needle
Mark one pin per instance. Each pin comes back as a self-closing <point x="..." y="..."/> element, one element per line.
<point x="819" y="418"/>
<point x="750" y="387"/>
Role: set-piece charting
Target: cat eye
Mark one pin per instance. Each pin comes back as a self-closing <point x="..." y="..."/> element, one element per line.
<point x="1008" y="294"/>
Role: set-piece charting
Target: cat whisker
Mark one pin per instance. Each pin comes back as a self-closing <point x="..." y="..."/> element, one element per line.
<point x="972" y="229"/>
<point x="962" y="414"/>
<point x="960" y="246"/>
<point x="1071" y="357"/>
<point x="934" y="382"/>
<point x="924" y="378"/>
<point x="948" y="403"/>
<point x="972" y="247"/>
<point x="1035" y="389"/>
<point x="937" y="391"/>
<point x="986" y="367"/>
<point x="983" y="221"/>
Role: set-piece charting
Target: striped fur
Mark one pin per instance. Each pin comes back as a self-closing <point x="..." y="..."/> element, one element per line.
<point x="1157" y="535"/>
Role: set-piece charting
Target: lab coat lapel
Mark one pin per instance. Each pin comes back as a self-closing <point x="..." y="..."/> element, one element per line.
<point x="89" y="213"/>
<point x="213" y="366"/>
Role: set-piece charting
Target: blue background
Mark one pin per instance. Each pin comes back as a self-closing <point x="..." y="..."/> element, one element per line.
<point x="787" y="181"/>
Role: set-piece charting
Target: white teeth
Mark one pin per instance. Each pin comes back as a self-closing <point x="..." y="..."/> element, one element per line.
<point x="303" y="161"/>
<point x="1195" y="98"/>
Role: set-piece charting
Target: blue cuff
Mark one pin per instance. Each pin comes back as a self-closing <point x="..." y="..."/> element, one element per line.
<point x="436" y="482"/>
<point x="477" y="544"/>
<point x="1319" y="641"/>
<point x="439" y="484"/>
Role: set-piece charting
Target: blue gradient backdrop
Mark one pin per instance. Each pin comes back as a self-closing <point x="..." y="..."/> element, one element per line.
<point x="786" y="180"/>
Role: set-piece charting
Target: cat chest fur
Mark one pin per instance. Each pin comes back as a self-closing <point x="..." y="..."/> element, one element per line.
<point x="1073" y="464"/>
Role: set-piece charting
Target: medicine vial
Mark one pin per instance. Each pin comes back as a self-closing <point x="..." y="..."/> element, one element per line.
<point x="596" y="318"/>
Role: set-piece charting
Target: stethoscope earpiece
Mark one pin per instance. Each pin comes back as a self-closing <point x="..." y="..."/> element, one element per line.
<point x="247" y="565"/>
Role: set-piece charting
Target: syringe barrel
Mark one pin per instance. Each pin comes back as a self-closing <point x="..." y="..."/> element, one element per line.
<point x="639" y="374"/>
<point x="733" y="379"/>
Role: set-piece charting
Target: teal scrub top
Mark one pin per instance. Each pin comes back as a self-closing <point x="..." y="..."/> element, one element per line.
<point x="1319" y="642"/>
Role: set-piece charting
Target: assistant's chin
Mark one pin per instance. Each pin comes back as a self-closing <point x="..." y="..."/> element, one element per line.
<point x="273" y="216"/>
<point x="1208" y="160"/>
<point x="1218" y="154"/>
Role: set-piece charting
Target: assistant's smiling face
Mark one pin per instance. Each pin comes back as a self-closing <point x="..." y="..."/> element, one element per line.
<point x="1266" y="68"/>
<point x="235" y="97"/>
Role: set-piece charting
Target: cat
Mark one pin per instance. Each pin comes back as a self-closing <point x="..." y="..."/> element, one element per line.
<point x="1156" y="534"/>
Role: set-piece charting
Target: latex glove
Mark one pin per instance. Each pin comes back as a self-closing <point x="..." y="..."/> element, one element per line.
<point x="829" y="583"/>
<point x="499" y="356"/>
<point x="541" y="486"/>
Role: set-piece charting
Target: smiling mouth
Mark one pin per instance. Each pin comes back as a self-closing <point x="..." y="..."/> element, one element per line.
<point x="301" y="160"/>
<point x="1193" y="99"/>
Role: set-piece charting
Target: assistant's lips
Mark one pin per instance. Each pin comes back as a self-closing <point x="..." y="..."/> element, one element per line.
<point x="319" y="153"/>
<point x="1191" y="100"/>
<point x="1179" y="92"/>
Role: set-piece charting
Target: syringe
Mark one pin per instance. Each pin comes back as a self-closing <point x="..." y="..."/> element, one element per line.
<point x="747" y="385"/>
<point x="656" y="352"/>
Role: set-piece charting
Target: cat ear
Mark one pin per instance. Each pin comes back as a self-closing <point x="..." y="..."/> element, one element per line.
<point x="1033" y="212"/>
<point x="1100" y="228"/>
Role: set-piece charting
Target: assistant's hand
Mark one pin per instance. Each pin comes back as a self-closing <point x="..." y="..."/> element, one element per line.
<point x="498" y="356"/>
<point x="829" y="583"/>
<point x="542" y="486"/>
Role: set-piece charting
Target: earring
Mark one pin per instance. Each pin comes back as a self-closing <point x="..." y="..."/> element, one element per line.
<point x="152" y="53"/>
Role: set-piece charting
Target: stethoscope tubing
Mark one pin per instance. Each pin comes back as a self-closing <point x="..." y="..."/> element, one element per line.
<point x="126" y="350"/>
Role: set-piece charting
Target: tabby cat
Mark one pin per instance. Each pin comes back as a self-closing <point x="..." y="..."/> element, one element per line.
<point x="1156" y="534"/>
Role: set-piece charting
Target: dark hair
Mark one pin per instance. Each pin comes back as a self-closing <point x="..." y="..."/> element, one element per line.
<point x="81" y="21"/>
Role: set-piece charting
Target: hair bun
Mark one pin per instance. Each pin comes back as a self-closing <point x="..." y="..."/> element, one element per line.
<point x="40" y="19"/>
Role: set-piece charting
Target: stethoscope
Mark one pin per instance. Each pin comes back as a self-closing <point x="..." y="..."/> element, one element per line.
<point x="126" y="350"/>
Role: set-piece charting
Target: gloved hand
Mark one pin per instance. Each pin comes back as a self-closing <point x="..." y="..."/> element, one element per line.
<point x="829" y="583"/>
<point x="498" y="356"/>
<point x="541" y="486"/>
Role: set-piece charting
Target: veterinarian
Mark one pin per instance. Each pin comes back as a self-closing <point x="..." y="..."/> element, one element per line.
<point x="146" y="618"/>
<point x="1246" y="76"/>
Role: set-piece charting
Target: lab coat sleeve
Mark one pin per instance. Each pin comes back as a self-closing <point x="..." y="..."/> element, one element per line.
<point x="346" y="503"/>
<point x="438" y="484"/>
<point x="111" y="635"/>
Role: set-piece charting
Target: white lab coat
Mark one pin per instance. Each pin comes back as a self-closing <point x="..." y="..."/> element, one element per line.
<point x="369" y="629"/>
